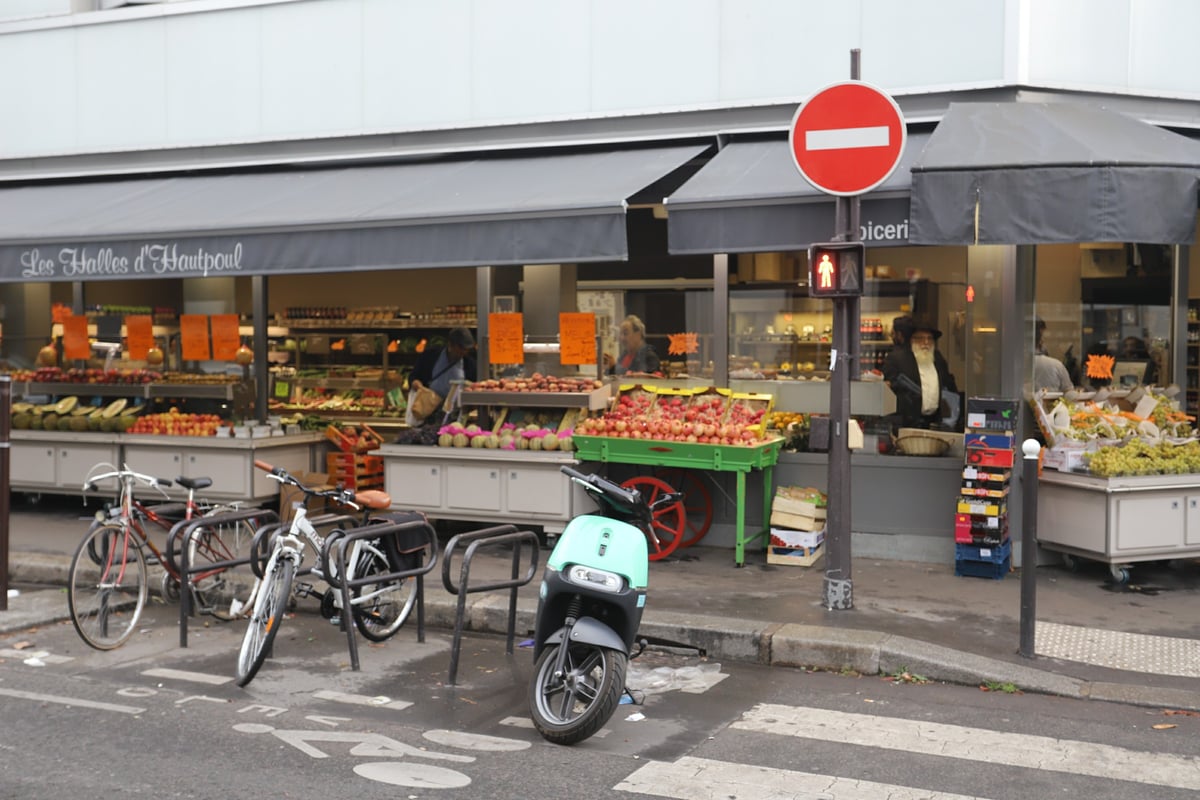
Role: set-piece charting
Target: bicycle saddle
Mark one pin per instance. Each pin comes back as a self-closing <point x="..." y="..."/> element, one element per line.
<point x="194" y="483"/>
<point x="373" y="499"/>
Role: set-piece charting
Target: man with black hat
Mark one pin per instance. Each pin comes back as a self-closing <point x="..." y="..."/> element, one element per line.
<point x="918" y="374"/>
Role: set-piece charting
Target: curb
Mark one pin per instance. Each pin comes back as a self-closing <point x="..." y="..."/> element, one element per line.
<point x="768" y="644"/>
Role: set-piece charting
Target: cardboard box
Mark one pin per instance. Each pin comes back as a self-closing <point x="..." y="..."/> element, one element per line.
<point x="290" y="494"/>
<point x="986" y="457"/>
<point x="786" y="537"/>
<point x="1063" y="459"/>
<point x="992" y="414"/>
<point x="982" y="508"/>
<point x="992" y="441"/>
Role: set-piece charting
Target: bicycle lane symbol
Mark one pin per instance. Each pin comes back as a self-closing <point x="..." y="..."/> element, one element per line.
<point x="374" y="745"/>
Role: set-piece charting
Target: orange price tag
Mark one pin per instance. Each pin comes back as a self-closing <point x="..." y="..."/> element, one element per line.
<point x="506" y="338"/>
<point x="577" y="337"/>
<point x="193" y="336"/>
<point x="139" y="335"/>
<point x="225" y="338"/>
<point x="75" y="338"/>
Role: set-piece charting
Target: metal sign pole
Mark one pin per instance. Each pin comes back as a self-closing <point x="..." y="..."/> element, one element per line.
<point x="5" y="482"/>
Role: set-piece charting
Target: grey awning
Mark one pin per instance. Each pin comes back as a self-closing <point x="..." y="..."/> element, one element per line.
<point x="544" y="209"/>
<point x="1033" y="173"/>
<point x="750" y="197"/>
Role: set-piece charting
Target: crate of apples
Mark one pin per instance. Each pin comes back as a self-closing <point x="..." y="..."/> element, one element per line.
<point x="673" y="419"/>
<point x="175" y="423"/>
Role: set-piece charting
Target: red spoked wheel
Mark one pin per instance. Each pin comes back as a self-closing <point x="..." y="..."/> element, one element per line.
<point x="697" y="501"/>
<point x="669" y="522"/>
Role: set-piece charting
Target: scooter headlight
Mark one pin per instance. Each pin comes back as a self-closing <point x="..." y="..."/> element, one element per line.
<point x="594" y="578"/>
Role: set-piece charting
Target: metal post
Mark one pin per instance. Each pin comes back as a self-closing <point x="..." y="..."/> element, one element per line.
<point x="1029" y="478"/>
<point x="262" y="372"/>
<point x="839" y="585"/>
<point x="5" y="482"/>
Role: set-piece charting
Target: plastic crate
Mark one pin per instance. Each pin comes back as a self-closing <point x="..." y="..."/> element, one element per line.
<point x="971" y="561"/>
<point x="992" y="414"/>
<point x="355" y="471"/>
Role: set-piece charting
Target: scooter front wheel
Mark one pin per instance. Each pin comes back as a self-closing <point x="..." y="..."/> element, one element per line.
<point x="569" y="707"/>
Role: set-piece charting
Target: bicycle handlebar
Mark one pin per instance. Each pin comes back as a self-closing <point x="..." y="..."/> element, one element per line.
<point x="90" y="482"/>
<point x="340" y="496"/>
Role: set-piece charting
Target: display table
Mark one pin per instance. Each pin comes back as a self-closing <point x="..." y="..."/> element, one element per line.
<point x="479" y="485"/>
<point x="1119" y="521"/>
<point x="58" y="463"/>
<point x="722" y="458"/>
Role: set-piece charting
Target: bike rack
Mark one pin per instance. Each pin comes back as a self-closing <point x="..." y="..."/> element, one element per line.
<point x="182" y="531"/>
<point x="500" y="534"/>
<point x="336" y="547"/>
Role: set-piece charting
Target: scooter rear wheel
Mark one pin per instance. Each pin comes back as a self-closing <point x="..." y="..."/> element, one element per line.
<point x="669" y="523"/>
<point x="568" y="708"/>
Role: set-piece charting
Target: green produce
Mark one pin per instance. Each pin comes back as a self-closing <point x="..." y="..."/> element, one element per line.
<point x="1139" y="458"/>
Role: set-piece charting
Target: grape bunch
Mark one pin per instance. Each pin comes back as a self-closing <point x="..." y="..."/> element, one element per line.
<point x="422" y="434"/>
<point x="1139" y="458"/>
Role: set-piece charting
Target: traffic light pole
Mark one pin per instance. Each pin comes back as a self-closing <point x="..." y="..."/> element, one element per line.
<point x="839" y="584"/>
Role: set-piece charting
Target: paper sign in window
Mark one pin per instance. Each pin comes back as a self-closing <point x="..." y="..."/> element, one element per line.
<point x="139" y="335"/>
<point x="193" y="337"/>
<point x="506" y="338"/>
<point x="225" y="338"/>
<point x="75" y="338"/>
<point x="577" y="337"/>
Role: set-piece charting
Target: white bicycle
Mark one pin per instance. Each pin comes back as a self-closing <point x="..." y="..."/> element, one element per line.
<point x="378" y="609"/>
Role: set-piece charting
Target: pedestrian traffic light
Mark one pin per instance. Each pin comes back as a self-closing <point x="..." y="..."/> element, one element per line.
<point x="835" y="269"/>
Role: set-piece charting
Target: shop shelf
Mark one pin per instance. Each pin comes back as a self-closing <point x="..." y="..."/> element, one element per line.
<point x="593" y="400"/>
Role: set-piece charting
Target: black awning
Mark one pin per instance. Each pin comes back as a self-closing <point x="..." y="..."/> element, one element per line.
<point x="1041" y="173"/>
<point x="522" y="210"/>
<point x="750" y="197"/>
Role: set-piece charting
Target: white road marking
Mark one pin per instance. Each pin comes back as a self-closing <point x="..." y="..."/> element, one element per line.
<point x="418" y="776"/>
<point x="846" y="138"/>
<point x="976" y="744"/>
<point x="71" y="701"/>
<point x="517" y="722"/>
<point x="703" y="779"/>
<point x="42" y="655"/>
<point x="361" y="700"/>
<point x="184" y="675"/>
<point x="475" y="741"/>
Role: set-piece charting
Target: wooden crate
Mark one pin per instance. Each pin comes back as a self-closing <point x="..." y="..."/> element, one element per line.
<point x="355" y="471"/>
<point x="795" y="556"/>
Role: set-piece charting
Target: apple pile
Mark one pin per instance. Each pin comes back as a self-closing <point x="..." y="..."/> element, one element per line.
<point x="536" y="382"/>
<point x="174" y="423"/>
<point x="86" y="375"/>
<point x="704" y="421"/>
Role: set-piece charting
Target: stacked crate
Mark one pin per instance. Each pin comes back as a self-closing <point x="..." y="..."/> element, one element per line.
<point x="797" y="526"/>
<point x="981" y="544"/>
<point x="350" y="466"/>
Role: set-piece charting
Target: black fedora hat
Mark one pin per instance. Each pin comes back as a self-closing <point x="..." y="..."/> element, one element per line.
<point x="926" y="324"/>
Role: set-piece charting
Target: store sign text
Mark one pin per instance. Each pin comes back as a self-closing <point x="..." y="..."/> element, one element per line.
<point x="871" y="231"/>
<point x="152" y="259"/>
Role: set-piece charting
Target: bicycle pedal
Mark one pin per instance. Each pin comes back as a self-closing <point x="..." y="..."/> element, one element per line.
<point x="305" y="590"/>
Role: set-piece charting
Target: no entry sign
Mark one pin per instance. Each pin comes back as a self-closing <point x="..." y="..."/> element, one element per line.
<point x="847" y="138"/>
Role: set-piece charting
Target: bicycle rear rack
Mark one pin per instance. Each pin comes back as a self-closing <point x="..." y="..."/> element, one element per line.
<point x="182" y="532"/>
<point x="487" y="537"/>
<point x="335" y="553"/>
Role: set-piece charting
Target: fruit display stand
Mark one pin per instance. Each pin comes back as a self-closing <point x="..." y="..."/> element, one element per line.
<point x="739" y="459"/>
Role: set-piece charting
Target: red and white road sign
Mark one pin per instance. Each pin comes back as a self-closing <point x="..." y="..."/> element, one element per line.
<point x="847" y="138"/>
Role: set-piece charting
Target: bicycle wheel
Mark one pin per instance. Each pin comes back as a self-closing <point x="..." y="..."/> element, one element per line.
<point x="215" y="586"/>
<point x="106" y="586"/>
<point x="265" y="621"/>
<point x="379" y="608"/>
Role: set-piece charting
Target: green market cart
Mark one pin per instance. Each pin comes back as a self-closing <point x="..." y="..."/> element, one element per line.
<point x="739" y="459"/>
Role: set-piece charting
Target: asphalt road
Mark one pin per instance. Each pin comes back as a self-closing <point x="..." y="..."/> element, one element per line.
<point x="154" y="720"/>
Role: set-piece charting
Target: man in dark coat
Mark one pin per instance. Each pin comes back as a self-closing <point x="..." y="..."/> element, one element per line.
<point x="438" y="367"/>
<point x="918" y="374"/>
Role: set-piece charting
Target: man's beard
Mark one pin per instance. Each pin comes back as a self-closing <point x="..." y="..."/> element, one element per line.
<point x="924" y="357"/>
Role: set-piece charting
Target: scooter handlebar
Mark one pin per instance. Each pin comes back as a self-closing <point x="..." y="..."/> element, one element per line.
<point x="630" y="497"/>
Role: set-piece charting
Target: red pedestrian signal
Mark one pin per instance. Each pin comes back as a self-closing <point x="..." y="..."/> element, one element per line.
<point x="835" y="269"/>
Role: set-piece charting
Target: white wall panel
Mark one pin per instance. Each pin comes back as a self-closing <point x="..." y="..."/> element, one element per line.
<point x="664" y="54"/>
<point x="38" y="93"/>
<point x="528" y="56"/>
<point x="122" y="85"/>
<point x="214" y="77"/>
<point x="416" y="63"/>
<point x="1080" y="43"/>
<point x="1163" y="52"/>
<point x="312" y="69"/>
<point x="929" y="43"/>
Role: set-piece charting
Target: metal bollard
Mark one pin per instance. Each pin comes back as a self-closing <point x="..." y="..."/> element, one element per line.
<point x="1029" y="487"/>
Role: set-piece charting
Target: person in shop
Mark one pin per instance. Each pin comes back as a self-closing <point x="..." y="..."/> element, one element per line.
<point x="920" y="378"/>
<point x="637" y="357"/>
<point x="439" y="367"/>
<point x="1048" y="372"/>
<point x="902" y="329"/>
<point x="1134" y="348"/>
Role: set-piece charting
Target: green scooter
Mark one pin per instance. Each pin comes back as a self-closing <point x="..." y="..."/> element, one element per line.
<point x="590" y="605"/>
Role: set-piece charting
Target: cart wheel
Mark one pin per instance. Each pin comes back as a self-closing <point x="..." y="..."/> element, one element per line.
<point x="669" y="523"/>
<point x="697" y="502"/>
<point x="1070" y="562"/>
<point x="1119" y="574"/>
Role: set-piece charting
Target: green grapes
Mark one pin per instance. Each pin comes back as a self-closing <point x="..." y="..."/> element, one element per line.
<point x="1139" y="458"/>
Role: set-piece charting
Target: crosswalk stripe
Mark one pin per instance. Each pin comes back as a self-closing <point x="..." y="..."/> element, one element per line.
<point x="692" y="778"/>
<point x="975" y="744"/>
<point x="184" y="675"/>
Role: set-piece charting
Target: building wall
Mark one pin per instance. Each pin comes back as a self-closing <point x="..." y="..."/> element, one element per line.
<point x="215" y="72"/>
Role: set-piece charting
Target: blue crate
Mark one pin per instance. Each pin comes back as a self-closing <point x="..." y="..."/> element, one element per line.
<point x="973" y="552"/>
<point x="982" y="569"/>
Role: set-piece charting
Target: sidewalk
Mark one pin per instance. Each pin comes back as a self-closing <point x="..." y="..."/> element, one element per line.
<point x="1138" y="643"/>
